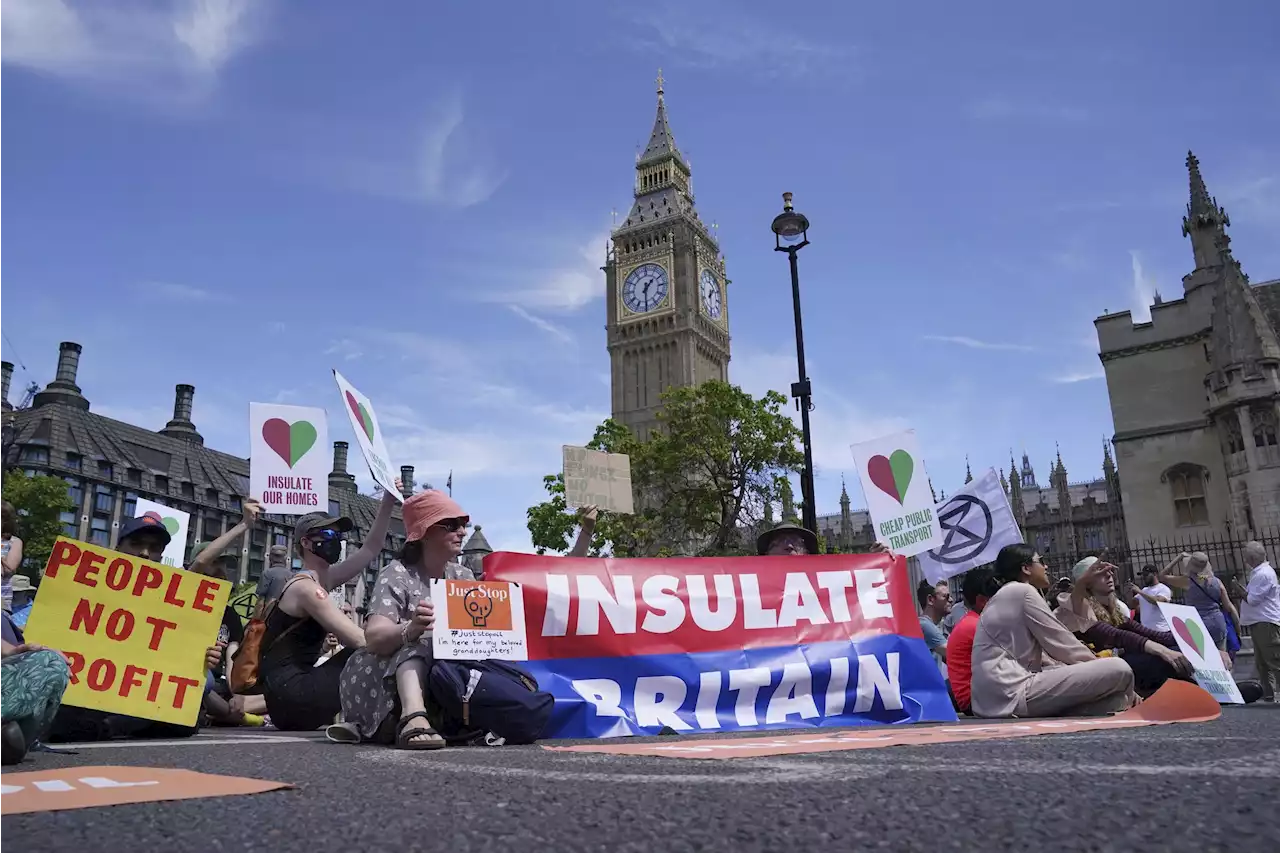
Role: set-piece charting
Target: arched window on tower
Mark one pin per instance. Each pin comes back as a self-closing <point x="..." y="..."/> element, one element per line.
<point x="1187" y="490"/>
<point x="1264" y="434"/>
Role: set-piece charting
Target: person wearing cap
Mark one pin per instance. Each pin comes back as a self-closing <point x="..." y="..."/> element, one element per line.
<point x="144" y="537"/>
<point x="24" y="595"/>
<point x="1092" y="612"/>
<point x="384" y="685"/>
<point x="300" y="695"/>
<point x="275" y="576"/>
<point x="1025" y="663"/>
<point x="786" y="540"/>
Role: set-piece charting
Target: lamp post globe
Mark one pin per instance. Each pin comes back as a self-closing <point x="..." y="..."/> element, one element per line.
<point x="791" y="234"/>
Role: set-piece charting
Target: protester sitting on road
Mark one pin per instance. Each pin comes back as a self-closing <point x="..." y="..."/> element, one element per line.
<point x="786" y="539"/>
<point x="1027" y="664"/>
<point x="935" y="604"/>
<point x="978" y="587"/>
<point x="223" y="707"/>
<point x="1089" y="611"/>
<point x="1206" y="594"/>
<point x="145" y="538"/>
<point x="34" y="680"/>
<point x="384" y="685"/>
<point x="301" y="696"/>
<point x="10" y="552"/>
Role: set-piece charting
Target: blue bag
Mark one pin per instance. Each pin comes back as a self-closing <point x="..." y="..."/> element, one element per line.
<point x="1233" y="639"/>
<point x="491" y="702"/>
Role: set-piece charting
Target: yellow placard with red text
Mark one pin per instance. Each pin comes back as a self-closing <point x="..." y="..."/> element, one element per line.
<point x="135" y="632"/>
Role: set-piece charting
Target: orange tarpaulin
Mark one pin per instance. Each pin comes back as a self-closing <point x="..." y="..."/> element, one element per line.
<point x="1175" y="702"/>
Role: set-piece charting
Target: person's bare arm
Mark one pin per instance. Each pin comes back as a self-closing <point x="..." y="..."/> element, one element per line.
<point x="1227" y="604"/>
<point x="384" y="636"/>
<point x="582" y="546"/>
<point x="311" y="599"/>
<point x="207" y="557"/>
<point x="1175" y="581"/>
<point x="13" y="560"/>
<point x="336" y="575"/>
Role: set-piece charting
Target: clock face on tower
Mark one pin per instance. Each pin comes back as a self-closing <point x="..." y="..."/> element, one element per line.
<point x="645" y="288"/>
<point x="709" y="290"/>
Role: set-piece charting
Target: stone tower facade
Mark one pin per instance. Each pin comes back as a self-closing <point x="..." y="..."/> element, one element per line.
<point x="666" y="288"/>
<point x="1195" y="394"/>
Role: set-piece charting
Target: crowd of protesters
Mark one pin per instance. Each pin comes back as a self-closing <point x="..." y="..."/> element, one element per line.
<point x="1015" y="648"/>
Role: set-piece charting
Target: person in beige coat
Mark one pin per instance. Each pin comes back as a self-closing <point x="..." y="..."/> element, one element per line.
<point x="1027" y="664"/>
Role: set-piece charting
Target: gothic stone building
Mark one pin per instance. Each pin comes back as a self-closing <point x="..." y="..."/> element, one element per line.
<point x="1195" y="394"/>
<point x="667" y="293"/>
<point x="1067" y="519"/>
<point x="108" y="465"/>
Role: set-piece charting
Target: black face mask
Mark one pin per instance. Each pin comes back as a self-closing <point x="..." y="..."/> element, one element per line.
<point x="329" y="550"/>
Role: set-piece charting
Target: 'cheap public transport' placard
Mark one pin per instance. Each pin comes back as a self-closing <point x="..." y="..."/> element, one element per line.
<point x="134" y="632"/>
<point x="630" y="647"/>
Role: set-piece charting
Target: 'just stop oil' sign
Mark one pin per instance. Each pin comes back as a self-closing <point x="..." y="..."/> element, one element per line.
<point x="898" y="494"/>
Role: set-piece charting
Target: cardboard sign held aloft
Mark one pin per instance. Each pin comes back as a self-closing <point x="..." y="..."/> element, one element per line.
<point x="288" y="463"/>
<point x="176" y="522"/>
<point x="134" y="632"/>
<point x="478" y="620"/>
<point x="898" y="494"/>
<point x="1194" y="642"/>
<point x="596" y="478"/>
<point x="364" y="421"/>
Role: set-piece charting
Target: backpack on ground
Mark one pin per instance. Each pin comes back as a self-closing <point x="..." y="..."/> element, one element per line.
<point x="244" y="675"/>
<point x="486" y="702"/>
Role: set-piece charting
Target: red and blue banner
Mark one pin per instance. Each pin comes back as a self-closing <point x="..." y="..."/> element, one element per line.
<point x="633" y="647"/>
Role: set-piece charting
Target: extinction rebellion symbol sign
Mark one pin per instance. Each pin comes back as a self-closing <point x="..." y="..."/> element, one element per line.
<point x="966" y="521"/>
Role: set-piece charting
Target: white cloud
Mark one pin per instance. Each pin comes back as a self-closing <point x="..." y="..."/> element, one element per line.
<point x="720" y="35"/>
<point x="179" y="292"/>
<point x="345" y="349"/>
<point x="560" y="288"/>
<point x="1144" y="290"/>
<point x="974" y="343"/>
<point x="171" y="51"/>
<point x="547" y="326"/>
<point x="997" y="108"/>
<point x="1080" y="376"/>
<point x="441" y="161"/>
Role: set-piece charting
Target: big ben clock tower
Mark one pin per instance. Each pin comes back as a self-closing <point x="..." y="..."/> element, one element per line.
<point x="668" y="308"/>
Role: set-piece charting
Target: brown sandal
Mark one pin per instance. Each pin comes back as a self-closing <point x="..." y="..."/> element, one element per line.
<point x="405" y="736"/>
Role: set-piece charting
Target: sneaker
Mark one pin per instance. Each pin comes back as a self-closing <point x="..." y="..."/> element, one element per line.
<point x="342" y="733"/>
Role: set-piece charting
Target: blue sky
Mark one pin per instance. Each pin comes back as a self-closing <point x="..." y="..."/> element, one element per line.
<point x="242" y="195"/>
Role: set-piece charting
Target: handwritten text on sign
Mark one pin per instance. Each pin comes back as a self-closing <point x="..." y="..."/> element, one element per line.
<point x="134" y="632"/>
<point x="478" y="620"/>
<point x="595" y="478"/>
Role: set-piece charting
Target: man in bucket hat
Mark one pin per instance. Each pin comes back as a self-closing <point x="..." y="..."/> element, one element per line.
<point x="786" y="540"/>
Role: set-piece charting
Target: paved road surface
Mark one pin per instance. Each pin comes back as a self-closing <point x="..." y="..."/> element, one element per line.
<point x="1199" y="787"/>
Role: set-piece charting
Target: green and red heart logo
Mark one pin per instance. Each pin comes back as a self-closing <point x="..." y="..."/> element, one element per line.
<point x="170" y="524"/>
<point x="892" y="474"/>
<point x="362" y="415"/>
<point x="1190" y="632"/>
<point x="290" y="441"/>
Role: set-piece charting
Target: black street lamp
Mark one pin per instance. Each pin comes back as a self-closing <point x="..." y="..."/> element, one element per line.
<point x="8" y="438"/>
<point x="791" y="232"/>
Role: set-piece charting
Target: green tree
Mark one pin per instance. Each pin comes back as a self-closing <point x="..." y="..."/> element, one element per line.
<point x="39" y="501"/>
<point x="717" y="459"/>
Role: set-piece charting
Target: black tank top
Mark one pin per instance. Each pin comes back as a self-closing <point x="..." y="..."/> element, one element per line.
<point x="291" y="642"/>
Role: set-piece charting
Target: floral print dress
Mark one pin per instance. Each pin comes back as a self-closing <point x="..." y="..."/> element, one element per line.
<point x="33" y="686"/>
<point x="370" y="703"/>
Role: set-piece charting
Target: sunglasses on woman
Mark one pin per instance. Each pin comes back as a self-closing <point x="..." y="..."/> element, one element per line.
<point x="452" y="525"/>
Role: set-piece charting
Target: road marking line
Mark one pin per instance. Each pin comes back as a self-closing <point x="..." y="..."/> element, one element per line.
<point x="193" y="741"/>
